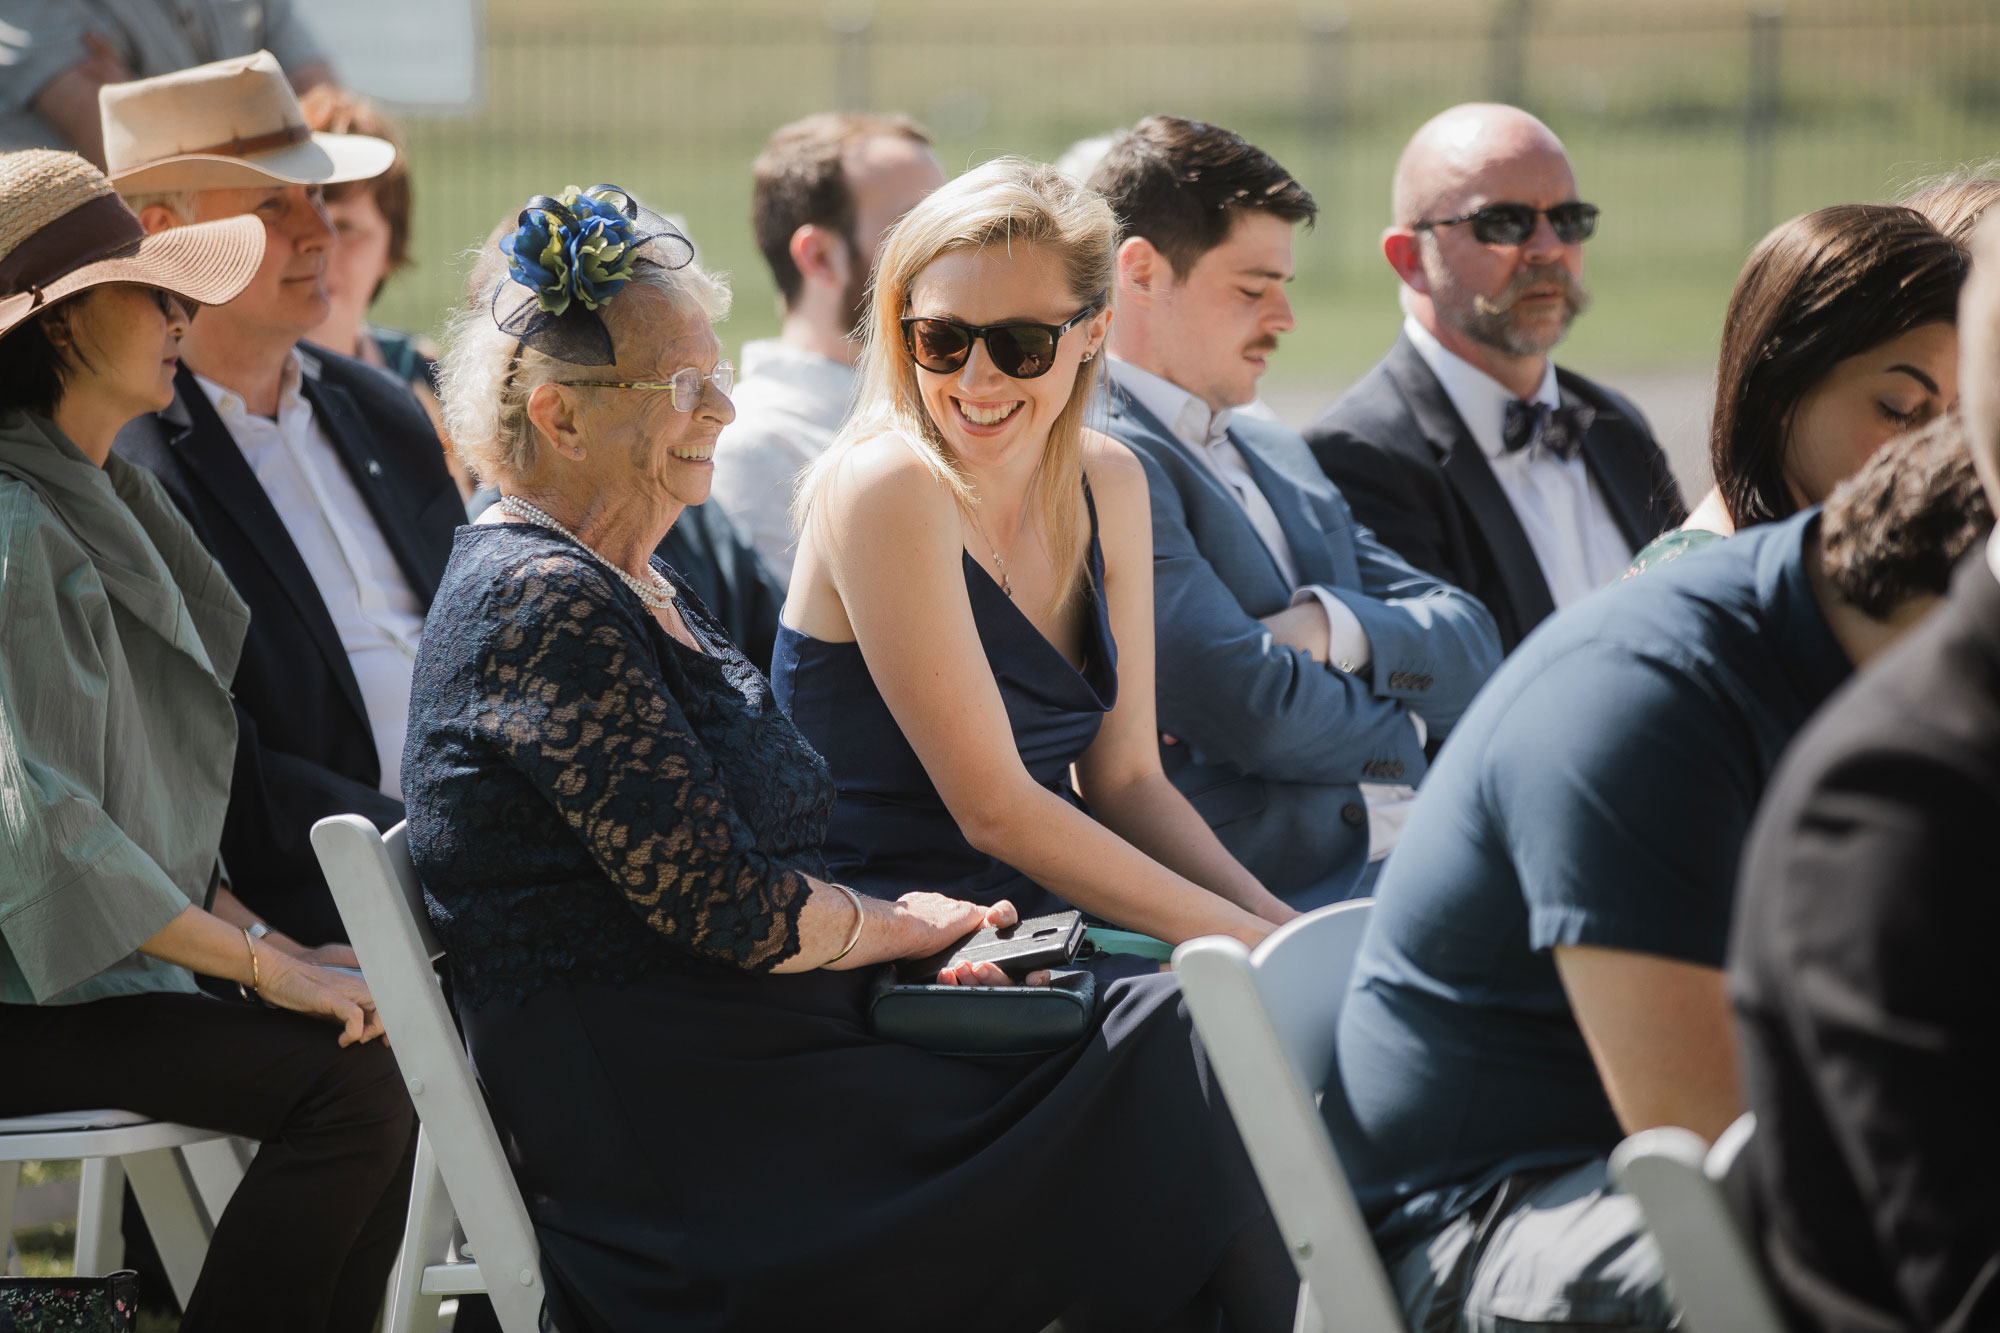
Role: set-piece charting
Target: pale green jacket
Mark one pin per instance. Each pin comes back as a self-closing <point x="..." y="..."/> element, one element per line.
<point x="118" y="637"/>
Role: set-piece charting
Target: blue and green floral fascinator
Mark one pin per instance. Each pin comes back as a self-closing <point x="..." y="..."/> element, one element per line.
<point x="573" y="254"/>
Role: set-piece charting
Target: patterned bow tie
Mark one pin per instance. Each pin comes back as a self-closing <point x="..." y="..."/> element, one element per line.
<point x="1560" y="430"/>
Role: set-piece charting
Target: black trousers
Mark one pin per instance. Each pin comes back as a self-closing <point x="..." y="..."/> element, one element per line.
<point x="307" y="1241"/>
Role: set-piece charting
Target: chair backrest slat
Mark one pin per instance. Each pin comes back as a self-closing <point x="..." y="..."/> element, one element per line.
<point x="376" y="889"/>
<point x="1711" y="1264"/>
<point x="1268" y="1021"/>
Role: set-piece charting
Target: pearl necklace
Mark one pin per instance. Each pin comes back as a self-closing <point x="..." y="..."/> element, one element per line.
<point x="658" y="595"/>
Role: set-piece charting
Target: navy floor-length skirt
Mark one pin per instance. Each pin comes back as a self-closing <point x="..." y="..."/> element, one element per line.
<point x="738" y="1152"/>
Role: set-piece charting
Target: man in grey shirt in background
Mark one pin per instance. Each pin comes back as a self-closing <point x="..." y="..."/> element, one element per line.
<point x="826" y="189"/>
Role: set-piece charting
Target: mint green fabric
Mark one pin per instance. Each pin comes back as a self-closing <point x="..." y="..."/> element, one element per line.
<point x="1671" y="546"/>
<point x="117" y="736"/>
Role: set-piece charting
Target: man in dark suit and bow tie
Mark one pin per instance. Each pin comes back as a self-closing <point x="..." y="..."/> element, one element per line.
<point x="315" y="480"/>
<point x="1466" y="448"/>
<point x="1302" y="665"/>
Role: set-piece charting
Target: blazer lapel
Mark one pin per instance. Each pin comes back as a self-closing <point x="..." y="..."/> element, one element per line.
<point x="1312" y="550"/>
<point x="1478" y="489"/>
<point x="1622" y="475"/>
<point x="355" y="444"/>
<point x="213" y="461"/>
<point x="1123" y="404"/>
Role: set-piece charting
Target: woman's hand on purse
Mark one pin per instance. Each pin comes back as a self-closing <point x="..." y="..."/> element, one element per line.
<point x="291" y="984"/>
<point x="987" y="974"/>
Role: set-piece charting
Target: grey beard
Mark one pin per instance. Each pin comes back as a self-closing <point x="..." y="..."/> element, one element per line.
<point x="1491" y="321"/>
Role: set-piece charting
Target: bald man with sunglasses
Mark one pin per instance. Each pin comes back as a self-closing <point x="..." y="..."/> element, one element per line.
<point x="1466" y="449"/>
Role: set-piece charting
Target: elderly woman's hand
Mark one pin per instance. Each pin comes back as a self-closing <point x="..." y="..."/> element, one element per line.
<point x="290" y="983"/>
<point x="969" y="917"/>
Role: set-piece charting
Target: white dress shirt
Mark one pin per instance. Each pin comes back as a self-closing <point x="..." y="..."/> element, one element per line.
<point x="374" y="610"/>
<point x="790" y="404"/>
<point x="1205" y="435"/>
<point x="1569" y="525"/>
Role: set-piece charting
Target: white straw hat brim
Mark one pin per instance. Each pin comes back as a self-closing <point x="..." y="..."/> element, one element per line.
<point x="209" y="263"/>
<point x="324" y="159"/>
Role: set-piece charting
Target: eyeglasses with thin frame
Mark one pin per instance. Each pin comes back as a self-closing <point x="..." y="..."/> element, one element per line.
<point x="685" y="385"/>
<point x="1512" y="224"/>
<point x="1022" y="351"/>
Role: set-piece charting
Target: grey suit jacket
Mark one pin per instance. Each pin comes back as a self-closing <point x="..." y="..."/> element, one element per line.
<point x="1271" y="745"/>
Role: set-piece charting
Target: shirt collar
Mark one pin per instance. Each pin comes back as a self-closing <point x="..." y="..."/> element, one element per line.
<point x="229" y="404"/>
<point x="1187" y="416"/>
<point x="1480" y="400"/>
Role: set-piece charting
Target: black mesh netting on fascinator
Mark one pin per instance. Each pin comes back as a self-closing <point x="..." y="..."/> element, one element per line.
<point x="566" y="260"/>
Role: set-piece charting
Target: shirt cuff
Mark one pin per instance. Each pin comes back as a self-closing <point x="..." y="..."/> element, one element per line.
<point x="1347" y="645"/>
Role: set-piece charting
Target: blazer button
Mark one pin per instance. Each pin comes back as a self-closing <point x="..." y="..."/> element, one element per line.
<point x="1353" y="815"/>
<point x="374" y="468"/>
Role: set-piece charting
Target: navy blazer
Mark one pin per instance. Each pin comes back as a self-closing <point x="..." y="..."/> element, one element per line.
<point x="1395" y="446"/>
<point x="1272" y="746"/>
<point x="304" y="748"/>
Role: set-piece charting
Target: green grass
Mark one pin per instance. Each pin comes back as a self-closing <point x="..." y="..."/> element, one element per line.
<point x="673" y="99"/>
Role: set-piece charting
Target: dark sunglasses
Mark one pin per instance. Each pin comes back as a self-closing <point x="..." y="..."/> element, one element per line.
<point x="1513" y="224"/>
<point x="1019" y="351"/>
<point x="174" y="306"/>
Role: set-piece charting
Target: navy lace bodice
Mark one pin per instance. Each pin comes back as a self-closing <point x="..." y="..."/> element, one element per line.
<point x="590" y="800"/>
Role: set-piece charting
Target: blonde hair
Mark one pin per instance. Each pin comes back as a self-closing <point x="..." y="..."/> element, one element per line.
<point x="484" y="383"/>
<point x="1008" y="201"/>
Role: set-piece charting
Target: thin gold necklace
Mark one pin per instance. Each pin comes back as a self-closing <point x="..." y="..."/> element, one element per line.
<point x="999" y="561"/>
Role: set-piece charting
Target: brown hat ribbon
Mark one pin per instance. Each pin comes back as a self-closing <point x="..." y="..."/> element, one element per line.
<point x="87" y="233"/>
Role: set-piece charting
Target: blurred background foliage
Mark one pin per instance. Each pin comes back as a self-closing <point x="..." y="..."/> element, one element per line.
<point x="1696" y="124"/>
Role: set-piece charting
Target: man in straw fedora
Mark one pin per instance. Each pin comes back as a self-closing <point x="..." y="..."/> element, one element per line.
<point x="316" y="481"/>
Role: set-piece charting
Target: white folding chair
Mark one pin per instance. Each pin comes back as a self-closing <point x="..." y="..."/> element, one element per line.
<point x="1268" y="1019"/>
<point x="182" y="1176"/>
<point x="1681" y="1184"/>
<point x="459" y="1161"/>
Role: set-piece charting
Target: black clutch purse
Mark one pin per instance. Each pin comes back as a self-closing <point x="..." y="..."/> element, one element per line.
<point x="70" y="1304"/>
<point x="984" y="1020"/>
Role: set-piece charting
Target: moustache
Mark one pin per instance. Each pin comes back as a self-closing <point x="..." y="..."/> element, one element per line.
<point x="1539" y="275"/>
<point x="1262" y="347"/>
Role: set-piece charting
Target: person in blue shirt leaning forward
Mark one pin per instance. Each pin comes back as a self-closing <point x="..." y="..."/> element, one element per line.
<point x="1542" y="973"/>
<point x="1303" y="666"/>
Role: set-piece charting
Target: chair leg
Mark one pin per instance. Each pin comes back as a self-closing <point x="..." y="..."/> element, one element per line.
<point x="173" y="1214"/>
<point x="10" y="1176"/>
<point x="216" y="1167"/>
<point x="100" y="1243"/>
<point x="426" y="1240"/>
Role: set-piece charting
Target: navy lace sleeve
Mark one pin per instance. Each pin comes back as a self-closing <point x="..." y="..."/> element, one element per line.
<point x="557" y="736"/>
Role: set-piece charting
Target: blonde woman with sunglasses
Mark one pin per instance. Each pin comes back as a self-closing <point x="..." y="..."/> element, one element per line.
<point x="969" y="633"/>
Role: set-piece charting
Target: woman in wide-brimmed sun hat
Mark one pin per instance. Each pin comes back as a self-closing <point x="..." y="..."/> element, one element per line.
<point x="117" y="744"/>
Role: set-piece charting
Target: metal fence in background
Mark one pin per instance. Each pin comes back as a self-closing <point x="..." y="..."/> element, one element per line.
<point x="1694" y="126"/>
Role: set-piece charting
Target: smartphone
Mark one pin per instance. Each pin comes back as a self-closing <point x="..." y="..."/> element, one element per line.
<point x="1024" y="947"/>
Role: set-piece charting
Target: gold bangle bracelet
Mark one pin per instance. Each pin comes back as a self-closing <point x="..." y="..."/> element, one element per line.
<point x="256" y="978"/>
<point x="860" y="920"/>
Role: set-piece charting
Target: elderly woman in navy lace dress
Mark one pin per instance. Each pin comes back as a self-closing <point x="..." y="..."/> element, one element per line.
<point x="619" y="834"/>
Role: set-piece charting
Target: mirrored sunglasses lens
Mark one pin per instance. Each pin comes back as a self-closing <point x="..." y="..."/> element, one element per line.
<point x="1022" y="353"/>
<point x="938" y="346"/>
<point x="1573" y="222"/>
<point x="1504" y="224"/>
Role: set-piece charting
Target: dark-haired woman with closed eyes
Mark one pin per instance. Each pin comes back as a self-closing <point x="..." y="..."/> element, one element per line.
<point x="1841" y="334"/>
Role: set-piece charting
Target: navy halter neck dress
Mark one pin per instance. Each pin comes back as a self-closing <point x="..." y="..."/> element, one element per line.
<point x="891" y="833"/>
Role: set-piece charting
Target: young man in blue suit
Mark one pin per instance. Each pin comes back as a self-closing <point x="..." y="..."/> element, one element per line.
<point x="1304" y="668"/>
